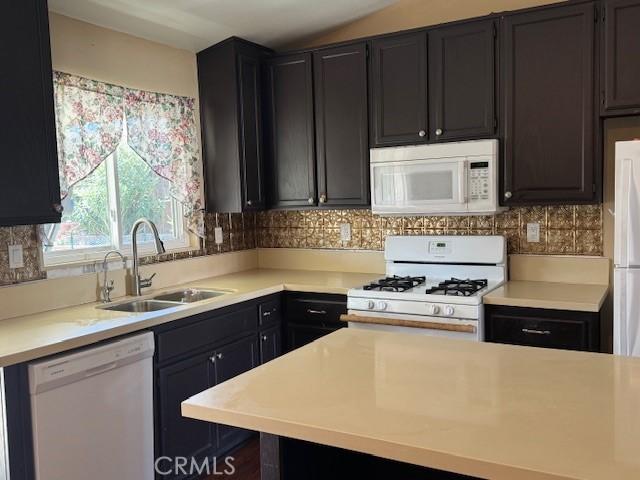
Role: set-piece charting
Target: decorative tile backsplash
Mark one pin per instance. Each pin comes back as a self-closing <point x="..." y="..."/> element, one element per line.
<point x="27" y="236"/>
<point x="239" y="234"/>
<point x="568" y="230"/>
<point x="564" y="230"/>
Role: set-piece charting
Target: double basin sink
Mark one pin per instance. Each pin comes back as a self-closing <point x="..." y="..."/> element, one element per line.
<point x="165" y="300"/>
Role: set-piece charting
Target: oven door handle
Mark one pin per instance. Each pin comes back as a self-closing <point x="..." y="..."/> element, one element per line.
<point x="400" y="322"/>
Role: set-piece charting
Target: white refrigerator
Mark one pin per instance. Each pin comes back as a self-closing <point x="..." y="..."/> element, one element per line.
<point x="626" y="285"/>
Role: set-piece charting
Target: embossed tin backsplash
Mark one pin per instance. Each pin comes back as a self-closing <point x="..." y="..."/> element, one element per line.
<point x="239" y="231"/>
<point x="564" y="230"/>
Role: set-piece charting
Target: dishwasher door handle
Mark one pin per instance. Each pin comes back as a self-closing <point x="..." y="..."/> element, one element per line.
<point x="100" y="369"/>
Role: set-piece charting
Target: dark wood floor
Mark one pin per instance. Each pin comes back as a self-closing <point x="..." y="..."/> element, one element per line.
<point x="246" y="463"/>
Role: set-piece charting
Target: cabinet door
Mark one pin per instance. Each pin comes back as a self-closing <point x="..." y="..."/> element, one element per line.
<point x="542" y="328"/>
<point x="250" y="133"/>
<point x="300" y="335"/>
<point x="399" y="90"/>
<point x="29" y="186"/>
<point x="270" y="344"/>
<point x="180" y="436"/>
<point x="341" y="125"/>
<point x="462" y="81"/>
<point x="549" y="155"/>
<point x="230" y="361"/>
<point x="621" y="53"/>
<point x="290" y="139"/>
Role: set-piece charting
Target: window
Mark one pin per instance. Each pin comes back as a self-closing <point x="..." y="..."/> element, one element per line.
<point x="101" y="209"/>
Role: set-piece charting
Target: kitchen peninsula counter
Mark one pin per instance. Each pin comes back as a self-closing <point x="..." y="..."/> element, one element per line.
<point x="486" y="410"/>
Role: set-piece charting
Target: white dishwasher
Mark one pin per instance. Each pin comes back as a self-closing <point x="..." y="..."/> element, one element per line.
<point x="92" y="412"/>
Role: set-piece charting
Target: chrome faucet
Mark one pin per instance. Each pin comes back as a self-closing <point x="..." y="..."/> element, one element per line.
<point x="107" y="288"/>
<point x="138" y="282"/>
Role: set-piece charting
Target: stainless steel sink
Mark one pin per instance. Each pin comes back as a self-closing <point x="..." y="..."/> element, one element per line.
<point x="141" y="306"/>
<point x="189" y="295"/>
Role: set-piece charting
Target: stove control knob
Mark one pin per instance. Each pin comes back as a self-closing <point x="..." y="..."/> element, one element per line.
<point x="371" y="305"/>
<point x="382" y="305"/>
<point x="448" y="311"/>
<point x="434" y="309"/>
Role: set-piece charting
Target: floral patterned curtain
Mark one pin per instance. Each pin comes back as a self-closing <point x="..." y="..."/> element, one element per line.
<point x="161" y="128"/>
<point x="89" y="116"/>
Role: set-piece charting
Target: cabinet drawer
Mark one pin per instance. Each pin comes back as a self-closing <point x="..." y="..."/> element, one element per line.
<point x="542" y="328"/>
<point x="270" y="313"/>
<point x="321" y="312"/>
<point x="206" y="332"/>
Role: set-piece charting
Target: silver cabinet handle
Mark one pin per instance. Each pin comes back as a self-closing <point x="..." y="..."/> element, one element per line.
<point x="249" y="202"/>
<point x="310" y="200"/>
<point x="323" y="198"/>
<point x="218" y="356"/>
<point x="536" y="332"/>
<point x="508" y="194"/>
<point x="266" y="314"/>
<point x="212" y="359"/>
<point x="439" y="132"/>
<point x="264" y="338"/>
<point x="422" y="133"/>
<point x="316" y="312"/>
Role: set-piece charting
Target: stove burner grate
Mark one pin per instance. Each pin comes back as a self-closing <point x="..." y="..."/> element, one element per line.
<point x="395" y="284"/>
<point x="457" y="287"/>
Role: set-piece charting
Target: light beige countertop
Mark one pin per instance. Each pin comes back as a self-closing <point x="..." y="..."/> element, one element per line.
<point x="33" y="336"/>
<point x="487" y="410"/>
<point x="556" y="296"/>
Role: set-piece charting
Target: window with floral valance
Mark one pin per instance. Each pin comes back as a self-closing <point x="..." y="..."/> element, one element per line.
<point x="123" y="153"/>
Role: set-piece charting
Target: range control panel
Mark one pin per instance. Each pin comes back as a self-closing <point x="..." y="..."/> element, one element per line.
<point x="479" y="180"/>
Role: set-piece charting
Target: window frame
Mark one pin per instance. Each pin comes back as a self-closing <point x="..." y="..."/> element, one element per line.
<point x="186" y="241"/>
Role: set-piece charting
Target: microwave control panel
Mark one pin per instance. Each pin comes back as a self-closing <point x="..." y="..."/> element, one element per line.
<point x="479" y="180"/>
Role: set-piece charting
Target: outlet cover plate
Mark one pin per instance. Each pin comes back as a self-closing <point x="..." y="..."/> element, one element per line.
<point x="16" y="256"/>
<point x="345" y="232"/>
<point x="217" y="234"/>
<point x="533" y="232"/>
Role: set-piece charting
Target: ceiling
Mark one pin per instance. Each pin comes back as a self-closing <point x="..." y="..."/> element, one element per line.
<point x="197" y="24"/>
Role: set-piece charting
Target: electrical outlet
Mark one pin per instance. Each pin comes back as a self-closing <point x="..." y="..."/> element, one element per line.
<point x="217" y="235"/>
<point x="345" y="232"/>
<point x="533" y="232"/>
<point x="16" y="256"/>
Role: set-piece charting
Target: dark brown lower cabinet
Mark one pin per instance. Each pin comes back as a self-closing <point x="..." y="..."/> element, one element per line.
<point x="270" y="344"/>
<point x="197" y="353"/>
<point x="231" y="361"/>
<point x="181" y="436"/>
<point x="309" y="316"/>
<point x="535" y="327"/>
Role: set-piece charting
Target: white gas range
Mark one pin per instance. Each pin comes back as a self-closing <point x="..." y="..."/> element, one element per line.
<point x="434" y="286"/>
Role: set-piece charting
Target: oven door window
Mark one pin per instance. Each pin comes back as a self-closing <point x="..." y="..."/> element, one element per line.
<point x="419" y="184"/>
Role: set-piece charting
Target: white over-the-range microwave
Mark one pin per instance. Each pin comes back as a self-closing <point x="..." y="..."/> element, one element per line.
<point x="458" y="178"/>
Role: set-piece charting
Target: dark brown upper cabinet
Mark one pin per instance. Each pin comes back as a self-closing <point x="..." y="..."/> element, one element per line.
<point x="462" y="81"/>
<point x="290" y="131"/>
<point x="549" y="139"/>
<point x="621" y="65"/>
<point x="399" y="90"/>
<point x="229" y="76"/>
<point x="29" y="183"/>
<point x="341" y="114"/>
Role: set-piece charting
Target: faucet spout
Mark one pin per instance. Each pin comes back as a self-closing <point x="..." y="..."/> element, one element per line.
<point x="140" y="283"/>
